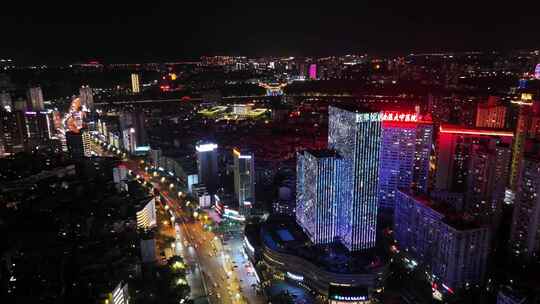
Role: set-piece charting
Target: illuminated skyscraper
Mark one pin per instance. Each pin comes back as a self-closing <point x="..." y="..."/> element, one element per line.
<point x="318" y="194"/>
<point x="87" y="98"/>
<point x="133" y="130"/>
<point x="355" y="135"/>
<point x="12" y="131"/>
<point x="135" y="83"/>
<point x="525" y="233"/>
<point x="313" y="71"/>
<point x="491" y="114"/>
<point x="35" y="99"/>
<point x="207" y="163"/>
<point x="244" y="179"/>
<point x="78" y="144"/>
<point x="404" y="162"/>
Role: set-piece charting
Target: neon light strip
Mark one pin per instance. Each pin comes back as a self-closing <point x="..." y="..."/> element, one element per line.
<point x="476" y="132"/>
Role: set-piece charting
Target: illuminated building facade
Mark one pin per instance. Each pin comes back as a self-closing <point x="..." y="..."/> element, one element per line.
<point x="120" y="294"/>
<point x="135" y="83"/>
<point x="356" y="136"/>
<point x="318" y="194"/>
<point x="313" y="71"/>
<point x="133" y="130"/>
<point x="207" y="164"/>
<point x="35" y="99"/>
<point x="454" y="249"/>
<point x="490" y="114"/>
<point x="78" y="144"/>
<point x="487" y="180"/>
<point x="244" y="179"/>
<point x="454" y="146"/>
<point x="39" y="127"/>
<point x="404" y="160"/>
<point x="87" y="98"/>
<point x="525" y="233"/>
<point x="13" y="133"/>
<point x="146" y="217"/>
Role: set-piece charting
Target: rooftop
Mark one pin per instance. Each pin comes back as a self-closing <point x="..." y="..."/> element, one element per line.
<point x="462" y="130"/>
<point x="283" y="234"/>
<point x="351" y="107"/>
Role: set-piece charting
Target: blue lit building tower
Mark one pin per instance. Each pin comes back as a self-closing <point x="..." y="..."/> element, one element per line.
<point x="404" y="162"/>
<point x="318" y="194"/>
<point x="355" y="134"/>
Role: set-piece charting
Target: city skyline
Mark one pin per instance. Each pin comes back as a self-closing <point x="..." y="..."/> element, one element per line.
<point x="169" y="31"/>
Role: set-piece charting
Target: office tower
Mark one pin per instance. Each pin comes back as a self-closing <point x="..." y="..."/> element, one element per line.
<point x="146" y="217"/>
<point x="487" y="180"/>
<point x="313" y="71"/>
<point x="35" y="99"/>
<point x="244" y="179"/>
<point x="133" y="130"/>
<point x="525" y="233"/>
<point x="404" y="160"/>
<point x="12" y="131"/>
<point x="318" y="194"/>
<point x="5" y="101"/>
<point x="453" y="153"/>
<point x="87" y="98"/>
<point x="491" y="114"/>
<point x="39" y="127"/>
<point x="78" y="144"/>
<point x="528" y="126"/>
<point x="451" y="246"/>
<point x="120" y="176"/>
<point x="207" y="163"/>
<point x="135" y="84"/>
<point x="355" y="135"/>
<point x="120" y="294"/>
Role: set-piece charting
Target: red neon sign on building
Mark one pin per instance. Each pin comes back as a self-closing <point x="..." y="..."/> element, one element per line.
<point x="401" y="117"/>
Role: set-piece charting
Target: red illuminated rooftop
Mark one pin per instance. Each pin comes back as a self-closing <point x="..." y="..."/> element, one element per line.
<point x="453" y="129"/>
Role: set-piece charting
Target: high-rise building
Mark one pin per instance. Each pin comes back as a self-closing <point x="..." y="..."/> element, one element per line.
<point x="135" y="83"/>
<point x="5" y="101"/>
<point x="13" y="133"/>
<point x="313" y="71"/>
<point x="244" y="179"/>
<point x="404" y="161"/>
<point x="120" y="294"/>
<point x="146" y="217"/>
<point x="207" y="164"/>
<point x="133" y="130"/>
<point x="488" y="178"/>
<point x="87" y="98"/>
<point x="35" y="99"/>
<point x="355" y="134"/>
<point x="451" y="246"/>
<point x="78" y="144"/>
<point x="318" y="194"/>
<point x="39" y="127"/>
<point x="525" y="233"/>
<point x="491" y="114"/>
<point x="454" y="146"/>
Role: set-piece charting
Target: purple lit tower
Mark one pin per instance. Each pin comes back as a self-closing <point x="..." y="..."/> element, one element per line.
<point x="313" y="71"/>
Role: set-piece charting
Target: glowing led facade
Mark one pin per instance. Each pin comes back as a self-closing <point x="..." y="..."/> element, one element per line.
<point x="244" y="179"/>
<point x="356" y="137"/>
<point x="404" y="161"/>
<point x="318" y="195"/>
<point x="537" y="71"/>
<point x="135" y="84"/>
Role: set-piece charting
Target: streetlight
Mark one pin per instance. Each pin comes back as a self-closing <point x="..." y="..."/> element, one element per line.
<point x="180" y="193"/>
<point x="171" y="186"/>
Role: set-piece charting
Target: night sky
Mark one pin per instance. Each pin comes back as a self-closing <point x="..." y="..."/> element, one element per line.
<point x="46" y="32"/>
